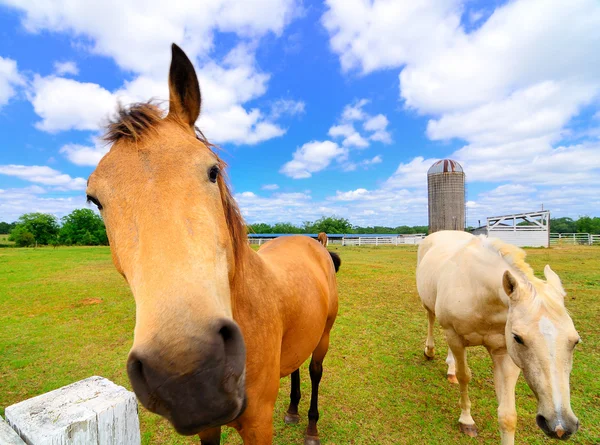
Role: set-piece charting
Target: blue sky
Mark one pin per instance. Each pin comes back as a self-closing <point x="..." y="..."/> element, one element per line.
<point x="321" y="108"/>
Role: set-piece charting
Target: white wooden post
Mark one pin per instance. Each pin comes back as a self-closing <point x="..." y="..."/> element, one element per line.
<point x="93" y="411"/>
<point x="8" y="435"/>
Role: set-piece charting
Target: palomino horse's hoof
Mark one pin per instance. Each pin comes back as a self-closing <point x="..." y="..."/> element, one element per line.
<point x="311" y="440"/>
<point x="291" y="419"/>
<point x="469" y="430"/>
<point x="452" y="379"/>
<point x="429" y="357"/>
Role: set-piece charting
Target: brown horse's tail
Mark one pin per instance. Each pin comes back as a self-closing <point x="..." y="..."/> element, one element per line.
<point x="337" y="261"/>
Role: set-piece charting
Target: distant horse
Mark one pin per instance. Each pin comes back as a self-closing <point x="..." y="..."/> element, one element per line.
<point x="484" y="293"/>
<point x="217" y="324"/>
<point x="322" y="237"/>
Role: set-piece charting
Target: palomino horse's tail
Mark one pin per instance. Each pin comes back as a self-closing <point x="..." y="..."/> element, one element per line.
<point x="337" y="261"/>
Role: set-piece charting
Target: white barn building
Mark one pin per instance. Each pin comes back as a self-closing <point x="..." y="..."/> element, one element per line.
<point x="522" y="229"/>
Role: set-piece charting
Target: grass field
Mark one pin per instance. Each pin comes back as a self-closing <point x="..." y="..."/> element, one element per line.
<point x="4" y="242"/>
<point x="65" y="314"/>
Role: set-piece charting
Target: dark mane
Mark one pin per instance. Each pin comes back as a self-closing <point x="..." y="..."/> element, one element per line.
<point x="235" y="221"/>
<point x="133" y="122"/>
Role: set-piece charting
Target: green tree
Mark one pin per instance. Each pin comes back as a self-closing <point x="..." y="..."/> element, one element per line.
<point x="83" y="227"/>
<point x="586" y="224"/>
<point x="42" y="226"/>
<point x="260" y="228"/>
<point x="6" y="227"/>
<point x="286" y="228"/>
<point x="562" y="225"/>
<point x="22" y="237"/>
<point x="329" y="224"/>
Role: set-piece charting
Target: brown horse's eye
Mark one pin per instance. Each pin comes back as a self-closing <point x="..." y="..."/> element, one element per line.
<point x="213" y="173"/>
<point x="94" y="201"/>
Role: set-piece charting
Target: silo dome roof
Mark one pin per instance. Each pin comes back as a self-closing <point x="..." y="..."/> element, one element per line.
<point x="445" y="166"/>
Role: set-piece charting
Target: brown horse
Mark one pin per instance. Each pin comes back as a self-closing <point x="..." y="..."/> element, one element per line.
<point x="322" y="238"/>
<point x="217" y="324"/>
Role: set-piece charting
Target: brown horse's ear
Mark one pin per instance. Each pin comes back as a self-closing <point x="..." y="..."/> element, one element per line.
<point x="184" y="91"/>
<point x="510" y="285"/>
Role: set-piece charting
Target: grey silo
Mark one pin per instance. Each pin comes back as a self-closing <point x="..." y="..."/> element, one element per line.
<point x="446" y="190"/>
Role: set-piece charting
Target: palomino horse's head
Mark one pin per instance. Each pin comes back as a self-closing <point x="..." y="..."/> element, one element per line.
<point x="173" y="229"/>
<point x="541" y="337"/>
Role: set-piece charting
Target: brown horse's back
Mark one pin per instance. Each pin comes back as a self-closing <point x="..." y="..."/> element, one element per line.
<point x="308" y="300"/>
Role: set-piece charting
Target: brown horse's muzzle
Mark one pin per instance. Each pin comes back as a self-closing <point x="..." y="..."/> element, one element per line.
<point x="210" y="395"/>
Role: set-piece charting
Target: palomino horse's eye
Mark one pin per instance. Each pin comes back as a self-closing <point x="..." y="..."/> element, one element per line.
<point x="213" y="173"/>
<point x="94" y="201"/>
<point x="518" y="339"/>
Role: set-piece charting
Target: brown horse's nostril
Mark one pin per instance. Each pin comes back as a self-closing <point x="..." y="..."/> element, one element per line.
<point x="233" y="342"/>
<point x="135" y="370"/>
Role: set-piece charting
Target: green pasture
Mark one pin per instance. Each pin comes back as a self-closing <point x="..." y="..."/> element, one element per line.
<point x="4" y="242"/>
<point x="65" y="314"/>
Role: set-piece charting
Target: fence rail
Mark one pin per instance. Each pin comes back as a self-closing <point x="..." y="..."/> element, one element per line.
<point x="390" y="240"/>
<point x="574" y="238"/>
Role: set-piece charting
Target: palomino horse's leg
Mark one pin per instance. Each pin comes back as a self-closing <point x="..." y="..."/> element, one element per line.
<point x="429" y="343"/>
<point x="451" y="374"/>
<point x="211" y="436"/>
<point x="316" y="372"/>
<point x="506" y="374"/>
<point x="292" y="413"/>
<point x="463" y="374"/>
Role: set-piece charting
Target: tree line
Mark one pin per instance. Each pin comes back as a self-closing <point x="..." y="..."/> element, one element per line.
<point x="84" y="227"/>
<point x="81" y="227"/>
<point x="330" y="224"/>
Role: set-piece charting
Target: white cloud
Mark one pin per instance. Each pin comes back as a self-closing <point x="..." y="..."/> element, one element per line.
<point x="312" y="157"/>
<point x="355" y="112"/>
<point x="16" y="201"/>
<point x="68" y="67"/>
<point x="41" y="174"/>
<point x="83" y="155"/>
<point x="137" y="34"/>
<point x="343" y="130"/>
<point x="9" y="79"/>
<point x="352" y="138"/>
<point x="510" y="88"/>
<point x="139" y="43"/>
<point x="355" y="140"/>
<point x="65" y="104"/>
<point x="374" y="160"/>
<point x="287" y="107"/>
<point x="270" y="187"/>
<point x="387" y="33"/>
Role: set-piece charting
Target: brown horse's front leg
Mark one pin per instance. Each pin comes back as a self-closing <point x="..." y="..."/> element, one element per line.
<point x="211" y="436"/>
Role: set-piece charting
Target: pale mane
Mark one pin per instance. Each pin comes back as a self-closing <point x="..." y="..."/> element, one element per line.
<point x="515" y="257"/>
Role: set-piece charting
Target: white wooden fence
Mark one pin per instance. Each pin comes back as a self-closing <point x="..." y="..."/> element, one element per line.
<point x="585" y="239"/>
<point x="380" y="240"/>
<point x="358" y="240"/>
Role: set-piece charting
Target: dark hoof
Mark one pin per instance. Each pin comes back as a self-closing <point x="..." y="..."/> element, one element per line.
<point x="469" y="430"/>
<point x="452" y="379"/>
<point x="291" y="419"/>
<point x="427" y="357"/>
<point x="311" y="440"/>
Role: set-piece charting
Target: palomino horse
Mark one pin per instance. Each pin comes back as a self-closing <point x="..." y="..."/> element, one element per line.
<point x="217" y="324"/>
<point x="484" y="293"/>
<point x="322" y="238"/>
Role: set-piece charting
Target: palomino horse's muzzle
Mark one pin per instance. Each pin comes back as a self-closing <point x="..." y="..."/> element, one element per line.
<point x="212" y="394"/>
<point x="561" y="430"/>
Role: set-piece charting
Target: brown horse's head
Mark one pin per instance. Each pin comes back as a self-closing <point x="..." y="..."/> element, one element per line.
<point x="175" y="234"/>
<point x="540" y="338"/>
